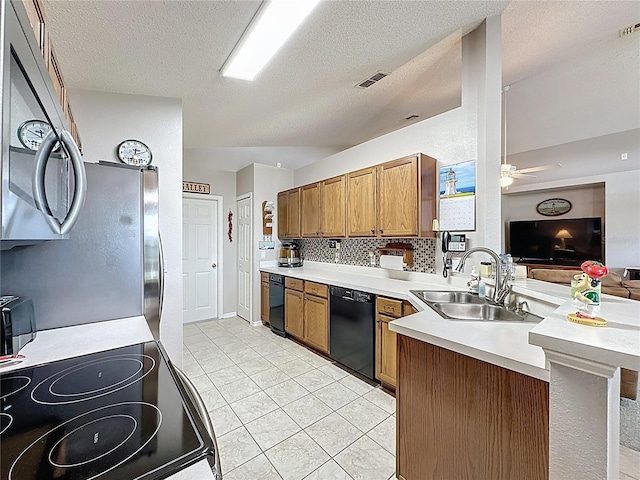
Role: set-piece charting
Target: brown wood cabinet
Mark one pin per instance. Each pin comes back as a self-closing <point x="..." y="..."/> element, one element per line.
<point x="289" y="213"/>
<point x="393" y="199"/>
<point x="458" y="417"/>
<point x="264" y="298"/>
<point x="316" y="322"/>
<point x="294" y="313"/>
<point x="333" y="208"/>
<point x="361" y="203"/>
<point x="387" y="310"/>
<point x="310" y="218"/>
<point x="398" y="198"/>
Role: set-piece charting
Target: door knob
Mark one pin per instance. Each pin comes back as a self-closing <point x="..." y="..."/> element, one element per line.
<point x="214" y="265"/>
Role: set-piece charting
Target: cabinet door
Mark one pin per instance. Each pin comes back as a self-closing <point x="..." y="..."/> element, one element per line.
<point x="361" y="203"/>
<point x="316" y="322"/>
<point x="283" y="214"/>
<point x="293" y="205"/>
<point x="310" y="217"/>
<point x="386" y="363"/>
<point x="333" y="207"/>
<point x="294" y="313"/>
<point x="398" y="197"/>
<point x="264" y="302"/>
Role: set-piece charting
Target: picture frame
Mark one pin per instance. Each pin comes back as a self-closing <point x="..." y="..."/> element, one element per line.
<point x="553" y="207"/>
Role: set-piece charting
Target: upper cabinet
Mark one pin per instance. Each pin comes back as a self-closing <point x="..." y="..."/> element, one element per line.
<point x="289" y="214"/>
<point x="310" y="218"/>
<point x="333" y="207"/>
<point x="361" y="203"/>
<point x="393" y="199"/>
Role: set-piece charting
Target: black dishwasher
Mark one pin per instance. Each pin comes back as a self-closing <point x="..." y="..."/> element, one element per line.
<point x="352" y="330"/>
<point x="276" y="304"/>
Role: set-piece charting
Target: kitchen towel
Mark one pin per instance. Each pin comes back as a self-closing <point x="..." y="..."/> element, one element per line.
<point x="391" y="262"/>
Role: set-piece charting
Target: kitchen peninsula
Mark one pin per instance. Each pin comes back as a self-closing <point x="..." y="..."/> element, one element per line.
<point x="529" y="377"/>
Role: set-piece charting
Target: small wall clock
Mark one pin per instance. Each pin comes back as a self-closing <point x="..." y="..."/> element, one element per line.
<point x="553" y="207"/>
<point x="32" y="132"/>
<point x="134" y="152"/>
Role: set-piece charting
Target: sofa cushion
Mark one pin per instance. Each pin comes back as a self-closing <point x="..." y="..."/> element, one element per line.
<point x="617" y="291"/>
<point x="611" y="280"/>
<point x="634" y="293"/>
<point x="633" y="284"/>
<point x="554" y="276"/>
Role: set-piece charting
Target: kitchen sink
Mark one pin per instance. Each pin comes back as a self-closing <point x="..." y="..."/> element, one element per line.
<point x="434" y="296"/>
<point x="469" y="306"/>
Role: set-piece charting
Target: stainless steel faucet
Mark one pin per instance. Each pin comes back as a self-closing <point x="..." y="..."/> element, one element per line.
<point x="502" y="287"/>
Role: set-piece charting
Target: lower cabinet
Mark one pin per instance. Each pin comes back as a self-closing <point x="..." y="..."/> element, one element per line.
<point x="316" y="322"/>
<point x="264" y="299"/>
<point x="386" y="365"/>
<point x="294" y="313"/>
<point x="458" y="417"/>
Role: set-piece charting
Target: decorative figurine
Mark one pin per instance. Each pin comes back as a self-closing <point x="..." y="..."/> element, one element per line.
<point x="586" y="291"/>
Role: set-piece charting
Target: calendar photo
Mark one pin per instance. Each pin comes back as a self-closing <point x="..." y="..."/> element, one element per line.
<point x="458" y="196"/>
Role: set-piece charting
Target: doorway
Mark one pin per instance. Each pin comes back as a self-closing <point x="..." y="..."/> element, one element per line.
<point x="201" y="257"/>
<point x="245" y="257"/>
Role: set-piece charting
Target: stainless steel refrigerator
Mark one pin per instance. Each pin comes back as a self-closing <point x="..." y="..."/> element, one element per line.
<point x="111" y="265"/>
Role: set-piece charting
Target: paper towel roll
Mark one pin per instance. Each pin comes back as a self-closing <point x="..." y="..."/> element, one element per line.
<point x="391" y="262"/>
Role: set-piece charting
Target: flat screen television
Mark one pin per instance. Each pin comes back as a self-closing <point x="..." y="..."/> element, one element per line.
<point x="558" y="242"/>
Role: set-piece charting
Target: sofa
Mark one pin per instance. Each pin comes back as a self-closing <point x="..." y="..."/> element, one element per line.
<point x="612" y="284"/>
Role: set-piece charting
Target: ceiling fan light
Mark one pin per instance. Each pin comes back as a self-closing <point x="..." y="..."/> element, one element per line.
<point x="505" y="181"/>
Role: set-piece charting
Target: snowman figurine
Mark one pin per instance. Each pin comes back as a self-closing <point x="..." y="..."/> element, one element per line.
<point x="586" y="292"/>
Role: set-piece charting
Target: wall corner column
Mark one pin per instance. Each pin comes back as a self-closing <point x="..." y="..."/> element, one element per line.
<point x="584" y="418"/>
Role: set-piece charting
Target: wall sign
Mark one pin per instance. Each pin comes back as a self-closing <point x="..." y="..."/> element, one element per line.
<point x="553" y="207"/>
<point x="192" y="187"/>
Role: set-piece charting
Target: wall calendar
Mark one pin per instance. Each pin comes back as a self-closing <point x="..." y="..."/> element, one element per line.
<point x="458" y="196"/>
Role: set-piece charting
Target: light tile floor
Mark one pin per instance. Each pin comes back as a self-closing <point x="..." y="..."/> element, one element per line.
<point x="281" y="412"/>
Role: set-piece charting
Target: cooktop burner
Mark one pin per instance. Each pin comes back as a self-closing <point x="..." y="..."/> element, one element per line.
<point x="98" y="417"/>
<point x="92" y="379"/>
<point x="12" y="384"/>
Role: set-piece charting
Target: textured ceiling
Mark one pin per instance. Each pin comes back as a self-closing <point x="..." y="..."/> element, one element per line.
<point x="305" y="96"/>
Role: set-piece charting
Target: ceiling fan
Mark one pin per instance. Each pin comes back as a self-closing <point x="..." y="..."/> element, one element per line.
<point x="507" y="171"/>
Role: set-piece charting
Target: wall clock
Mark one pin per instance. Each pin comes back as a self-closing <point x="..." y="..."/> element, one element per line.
<point x="32" y="132"/>
<point x="134" y="152"/>
<point x="553" y="207"/>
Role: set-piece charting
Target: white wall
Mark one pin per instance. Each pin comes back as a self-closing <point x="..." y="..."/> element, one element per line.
<point x="223" y="184"/>
<point x="106" y="119"/>
<point x="469" y="132"/>
<point x="264" y="182"/>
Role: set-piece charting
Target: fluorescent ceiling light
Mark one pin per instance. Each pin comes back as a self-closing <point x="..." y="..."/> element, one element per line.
<point x="274" y="23"/>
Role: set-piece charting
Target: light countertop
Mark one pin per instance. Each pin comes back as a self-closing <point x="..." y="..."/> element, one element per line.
<point x="506" y="344"/>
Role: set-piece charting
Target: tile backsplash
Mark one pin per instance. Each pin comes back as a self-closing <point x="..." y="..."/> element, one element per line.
<point x="355" y="251"/>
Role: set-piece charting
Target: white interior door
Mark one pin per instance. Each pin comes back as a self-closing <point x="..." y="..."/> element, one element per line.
<point x="199" y="258"/>
<point x="244" y="257"/>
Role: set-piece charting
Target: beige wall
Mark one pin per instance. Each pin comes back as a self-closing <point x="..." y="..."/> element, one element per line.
<point x="223" y="184"/>
<point x="106" y="119"/>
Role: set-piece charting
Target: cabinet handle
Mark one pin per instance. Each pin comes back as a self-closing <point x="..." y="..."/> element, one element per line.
<point x="373" y="230"/>
<point x="317" y="233"/>
<point x="381" y="231"/>
<point x="377" y="321"/>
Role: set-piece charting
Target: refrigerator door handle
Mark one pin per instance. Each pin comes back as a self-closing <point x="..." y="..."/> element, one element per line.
<point x="79" y="174"/>
<point x="161" y="277"/>
<point x="204" y="415"/>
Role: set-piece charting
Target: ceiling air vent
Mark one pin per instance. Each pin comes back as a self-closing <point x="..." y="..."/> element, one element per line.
<point x="630" y="29"/>
<point x="376" y="77"/>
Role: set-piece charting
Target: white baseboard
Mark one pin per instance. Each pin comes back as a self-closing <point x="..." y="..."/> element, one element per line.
<point x="255" y="323"/>
<point x="229" y="315"/>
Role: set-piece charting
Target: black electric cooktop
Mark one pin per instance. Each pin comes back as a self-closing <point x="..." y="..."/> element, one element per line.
<point x="112" y="415"/>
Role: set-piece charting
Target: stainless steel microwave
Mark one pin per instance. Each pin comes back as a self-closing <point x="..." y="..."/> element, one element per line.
<point x="43" y="180"/>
